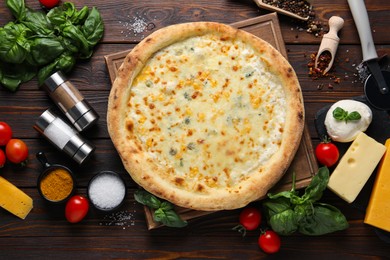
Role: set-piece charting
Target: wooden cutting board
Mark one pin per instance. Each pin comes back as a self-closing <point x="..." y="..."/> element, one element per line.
<point x="304" y="164"/>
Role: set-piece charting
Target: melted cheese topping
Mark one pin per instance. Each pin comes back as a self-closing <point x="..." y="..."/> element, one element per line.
<point x="209" y="111"/>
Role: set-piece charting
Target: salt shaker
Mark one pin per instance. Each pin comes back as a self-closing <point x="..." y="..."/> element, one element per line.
<point x="63" y="136"/>
<point x="70" y="101"/>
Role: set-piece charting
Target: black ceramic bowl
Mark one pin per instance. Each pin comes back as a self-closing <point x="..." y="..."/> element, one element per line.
<point x="50" y="169"/>
<point x="107" y="191"/>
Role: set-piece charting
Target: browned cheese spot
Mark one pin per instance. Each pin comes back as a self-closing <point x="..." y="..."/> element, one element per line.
<point x="179" y="181"/>
<point x="200" y="187"/>
<point x="130" y="126"/>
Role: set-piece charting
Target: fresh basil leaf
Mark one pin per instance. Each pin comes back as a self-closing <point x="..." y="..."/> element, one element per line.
<point x="276" y="206"/>
<point x="12" y="75"/>
<point x="342" y="115"/>
<point x="325" y="219"/>
<point x="284" y="194"/>
<point x="318" y="184"/>
<point x="79" y="17"/>
<point x="37" y="22"/>
<point x="169" y="218"/>
<point x="147" y="199"/>
<point x="17" y="8"/>
<point x="165" y="205"/>
<point x="284" y="223"/>
<point x="69" y="9"/>
<point x="66" y="62"/>
<point x="77" y="38"/>
<point x="52" y="48"/>
<point x="303" y="210"/>
<point x="14" y="45"/>
<point x="46" y="71"/>
<point x="93" y="27"/>
<point x="339" y="114"/>
<point x="354" y="116"/>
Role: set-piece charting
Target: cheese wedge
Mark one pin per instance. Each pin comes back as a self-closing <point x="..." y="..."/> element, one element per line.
<point x="14" y="200"/>
<point x="356" y="167"/>
<point x="378" y="210"/>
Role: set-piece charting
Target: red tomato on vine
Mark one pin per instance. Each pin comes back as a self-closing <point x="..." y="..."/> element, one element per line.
<point x="269" y="242"/>
<point x="327" y="153"/>
<point x="16" y="151"/>
<point x="250" y="219"/>
<point x="49" y="3"/>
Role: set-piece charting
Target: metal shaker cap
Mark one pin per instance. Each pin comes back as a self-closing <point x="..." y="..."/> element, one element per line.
<point x="86" y="120"/>
<point x="44" y="120"/>
<point x="55" y="80"/>
<point x="83" y="153"/>
<point x="78" y="148"/>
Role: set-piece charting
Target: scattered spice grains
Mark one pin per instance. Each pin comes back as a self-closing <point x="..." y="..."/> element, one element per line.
<point x="122" y="219"/>
<point x="299" y="7"/>
<point x="316" y="73"/>
<point x="136" y="26"/>
<point x="304" y="9"/>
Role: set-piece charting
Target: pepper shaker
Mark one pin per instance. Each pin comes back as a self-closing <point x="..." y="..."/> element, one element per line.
<point x="70" y="101"/>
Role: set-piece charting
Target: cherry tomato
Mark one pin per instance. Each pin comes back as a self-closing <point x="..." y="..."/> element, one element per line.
<point x="49" y="3"/>
<point x="250" y="218"/>
<point x="269" y="242"/>
<point x="327" y="153"/>
<point x="2" y="158"/>
<point x="5" y="133"/>
<point x="76" y="208"/>
<point x="16" y="151"/>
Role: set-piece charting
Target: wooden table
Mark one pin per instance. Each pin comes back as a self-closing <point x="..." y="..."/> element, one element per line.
<point x="46" y="234"/>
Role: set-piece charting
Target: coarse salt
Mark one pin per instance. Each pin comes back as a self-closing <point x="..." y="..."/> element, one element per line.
<point x="107" y="191"/>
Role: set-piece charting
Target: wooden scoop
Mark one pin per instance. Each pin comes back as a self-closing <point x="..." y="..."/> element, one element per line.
<point x="330" y="41"/>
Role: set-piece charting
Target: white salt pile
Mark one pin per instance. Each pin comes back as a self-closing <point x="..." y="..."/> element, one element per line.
<point x="106" y="191"/>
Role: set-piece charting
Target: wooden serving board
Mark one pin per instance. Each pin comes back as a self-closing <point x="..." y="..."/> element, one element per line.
<point x="304" y="164"/>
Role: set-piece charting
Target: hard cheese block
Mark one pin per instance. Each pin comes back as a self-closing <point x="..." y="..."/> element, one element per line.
<point x="14" y="200"/>
<point x="355" y="167"/>
<point x="378" y="210"/>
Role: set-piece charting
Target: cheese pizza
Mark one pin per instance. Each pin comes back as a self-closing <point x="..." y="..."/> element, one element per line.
<point x="206" y="116"/>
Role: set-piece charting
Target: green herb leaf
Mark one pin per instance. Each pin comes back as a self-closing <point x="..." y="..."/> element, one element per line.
<point x="17" y="8"/>
<point x="314" y="190"/>
<point x="169" y="218"/>
<point x="93" y="28"/>
<point x="147" y="199"/>
<point x="286" y="212"/>
<point x="342" y="115"/>
<point x="45" y="43"/>
<point x="285" y="223"/>
<point x="354" y="115"/>
<point x="163" y="210"/>
<point x="325" y="219"/>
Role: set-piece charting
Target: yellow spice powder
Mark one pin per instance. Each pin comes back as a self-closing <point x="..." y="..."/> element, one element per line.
<point x="57" y="185"/>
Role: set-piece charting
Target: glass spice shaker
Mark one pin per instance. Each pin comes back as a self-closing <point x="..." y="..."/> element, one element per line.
<point x="70" y="101"/>
<point x="63" y="136"/>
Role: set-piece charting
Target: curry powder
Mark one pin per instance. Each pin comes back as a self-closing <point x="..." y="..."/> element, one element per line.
<point x="57" y="185"/>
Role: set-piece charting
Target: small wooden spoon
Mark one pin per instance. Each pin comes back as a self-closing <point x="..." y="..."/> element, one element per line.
<point x="330" y="41"/>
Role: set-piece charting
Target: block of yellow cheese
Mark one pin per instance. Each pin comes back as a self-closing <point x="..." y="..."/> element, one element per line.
<point x="378" y="210"/>
<point x="14" y="200"/>
<point x="356" y="167"/>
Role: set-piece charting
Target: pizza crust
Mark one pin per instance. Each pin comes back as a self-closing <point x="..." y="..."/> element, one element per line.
<point x="159" y="178"/>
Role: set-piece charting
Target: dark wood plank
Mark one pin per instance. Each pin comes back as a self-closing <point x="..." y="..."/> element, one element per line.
<point x="46" y="234"/>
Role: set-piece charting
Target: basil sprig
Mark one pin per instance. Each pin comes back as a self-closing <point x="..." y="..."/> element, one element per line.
<point x="163" y="211"/>
<point x="287" y="212"/>
<point x="38" y="44"/>
<point x="343" y="115"/>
